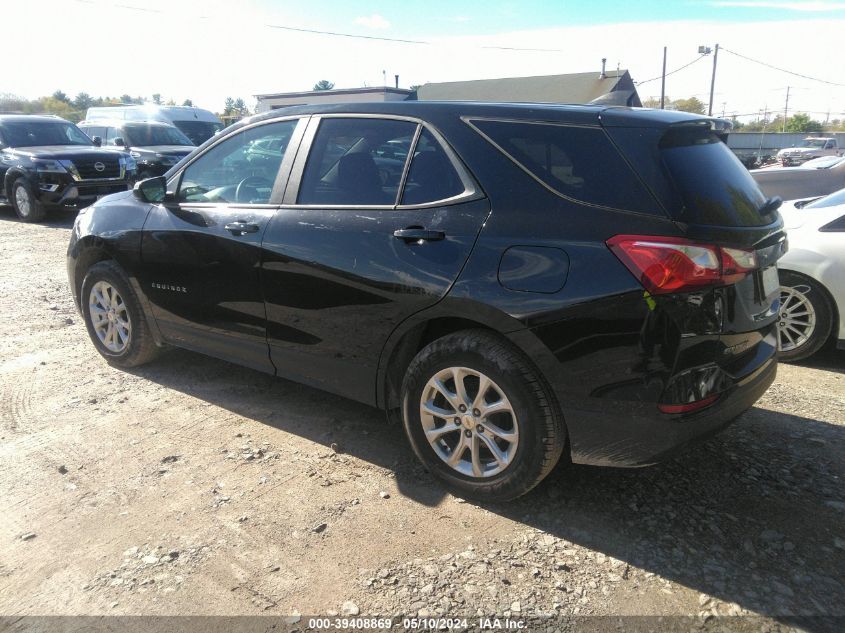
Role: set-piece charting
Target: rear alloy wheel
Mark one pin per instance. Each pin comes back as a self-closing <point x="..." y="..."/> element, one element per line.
<point x="805" y="317"/>
<point x="469" y="422"/>
<point x="25" y="203"/>
<point x="480" y="417"/>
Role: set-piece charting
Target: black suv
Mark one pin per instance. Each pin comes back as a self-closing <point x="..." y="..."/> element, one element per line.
<point x="47" y="162"/>
<point x="155" y="146"/>
<point x="540" y="281"/>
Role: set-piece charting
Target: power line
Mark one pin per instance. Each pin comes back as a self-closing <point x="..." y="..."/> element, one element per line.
<point x="687" y="65"/>
<point x="783" y="70"/>
<point x="337" y="34"/>
<point x="535" y="50"/>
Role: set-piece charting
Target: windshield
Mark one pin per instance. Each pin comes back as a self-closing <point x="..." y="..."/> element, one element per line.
<point x="813" y="142"/>
<point x="836" y="198"/>
<point x="40" y="133"/>
<point x="145" y="135"/>
<point x="198" y="131"/>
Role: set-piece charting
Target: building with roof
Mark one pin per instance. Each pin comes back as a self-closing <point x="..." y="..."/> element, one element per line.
<point x="267" y="102"/>
<point x="606" y="87"/>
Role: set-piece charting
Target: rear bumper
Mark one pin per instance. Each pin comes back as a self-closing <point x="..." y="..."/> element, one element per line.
<point x="638" y="438"/>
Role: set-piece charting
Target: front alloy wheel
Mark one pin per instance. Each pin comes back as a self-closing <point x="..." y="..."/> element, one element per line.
<point x="109" y="317"/>
<point x="26" y="206"/>
<point x="114" y="317"/>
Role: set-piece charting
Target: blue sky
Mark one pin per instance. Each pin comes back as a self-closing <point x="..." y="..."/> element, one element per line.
<point x="207" y="50"/>
<point x="480" y="17"/>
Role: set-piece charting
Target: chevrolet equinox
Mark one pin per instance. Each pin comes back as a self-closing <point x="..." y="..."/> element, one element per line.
<point x="518" y="283"/>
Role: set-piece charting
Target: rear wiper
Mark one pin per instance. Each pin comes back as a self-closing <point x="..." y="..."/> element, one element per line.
<point x="771" y="205"/>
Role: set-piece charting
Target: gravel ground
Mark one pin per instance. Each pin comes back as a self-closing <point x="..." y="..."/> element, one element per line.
<point x="191" y="486"/>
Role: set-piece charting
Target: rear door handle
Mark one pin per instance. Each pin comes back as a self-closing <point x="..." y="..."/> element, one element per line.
<point x="241" y="228"/>
<point x="417" y="234"/>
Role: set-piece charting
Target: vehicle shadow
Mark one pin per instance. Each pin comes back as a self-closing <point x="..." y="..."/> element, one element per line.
<point x="828" y="358"/>
<point x="754" y="516"/>
<point x="58" y="219"/>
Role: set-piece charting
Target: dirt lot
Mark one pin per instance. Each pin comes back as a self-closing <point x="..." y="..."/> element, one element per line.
<point x="192" y="486"/>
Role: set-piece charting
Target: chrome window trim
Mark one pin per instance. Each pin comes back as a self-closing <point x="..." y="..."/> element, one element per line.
<point x="472" y="191"/>
<point x="298" y="133"/>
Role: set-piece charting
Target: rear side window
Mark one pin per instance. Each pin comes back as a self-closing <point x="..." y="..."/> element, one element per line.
<point x="713" y="186"/>
<point x="356" y="161"/>
<point x="579" y="163"/>
<point x="432" y="176"/>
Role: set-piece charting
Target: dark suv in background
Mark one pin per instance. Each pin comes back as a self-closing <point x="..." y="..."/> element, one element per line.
<point x="47" y="162"/>
<point x="155" y="146"/>
<point x="537" y="282"/>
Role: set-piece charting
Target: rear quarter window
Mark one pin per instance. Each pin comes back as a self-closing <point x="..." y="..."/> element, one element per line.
<point x="577" y="163"/>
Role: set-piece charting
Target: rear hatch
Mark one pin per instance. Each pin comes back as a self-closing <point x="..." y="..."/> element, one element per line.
<point x="715" y="202"/>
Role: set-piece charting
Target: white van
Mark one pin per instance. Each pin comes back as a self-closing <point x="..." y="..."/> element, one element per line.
<point x="197" y="124"/>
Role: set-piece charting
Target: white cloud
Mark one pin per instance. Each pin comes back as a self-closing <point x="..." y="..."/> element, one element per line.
<point x="374" y="21"/>
<point x="816" y="6"/>
<point x="199" y="68"/>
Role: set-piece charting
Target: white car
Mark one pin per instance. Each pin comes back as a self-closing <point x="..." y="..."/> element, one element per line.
<point x="812" y="276"/>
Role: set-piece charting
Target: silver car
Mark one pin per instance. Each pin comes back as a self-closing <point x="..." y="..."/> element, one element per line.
<point x="791" y="183"/>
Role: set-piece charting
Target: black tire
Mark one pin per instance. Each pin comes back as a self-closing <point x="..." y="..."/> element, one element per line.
<point x="34" y="211"/>
<point x="541" y="430"/>
<point x="140" y="347"/>
<point x="796" y="287"/>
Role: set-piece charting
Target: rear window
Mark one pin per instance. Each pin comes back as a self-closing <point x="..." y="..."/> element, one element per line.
<point x="713" y="186"/>
<point x="579" y="163"/>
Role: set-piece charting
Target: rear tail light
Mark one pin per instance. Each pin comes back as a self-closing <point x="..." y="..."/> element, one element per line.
<point x="737" y="263"/>
<point x="672" y="264"/>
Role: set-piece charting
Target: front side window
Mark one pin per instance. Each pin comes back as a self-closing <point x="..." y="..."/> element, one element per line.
<point x="93" y="131"/>
<point x="356" y="161"/>
<point x="837" y="226"/>
<point x="576" y="162"/>
<point x="234" y="172"/>
<point x="112" y="135"/>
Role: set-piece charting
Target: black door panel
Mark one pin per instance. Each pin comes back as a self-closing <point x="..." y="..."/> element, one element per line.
<point x="337" y="281"/>
<point x="203" y="280"/>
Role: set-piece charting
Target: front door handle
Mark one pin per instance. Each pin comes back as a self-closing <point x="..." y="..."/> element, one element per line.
<point x="418" y="234"/>
<point x="241" y="228"/>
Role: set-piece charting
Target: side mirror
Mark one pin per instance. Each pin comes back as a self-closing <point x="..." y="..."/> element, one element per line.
<point x="98" y="141"/>
<point x="120" y="141"/>
<point x="152" y="190"/>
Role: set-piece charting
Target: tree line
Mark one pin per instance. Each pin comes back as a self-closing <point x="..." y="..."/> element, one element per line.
<point x="799" y="122"/>
<point x="74" y="109"/>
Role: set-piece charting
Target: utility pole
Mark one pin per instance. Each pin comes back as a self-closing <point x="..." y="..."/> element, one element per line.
<point x="713" y="80"/>
<point x="785" y="109"/>
<point x="663" y="82"/>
